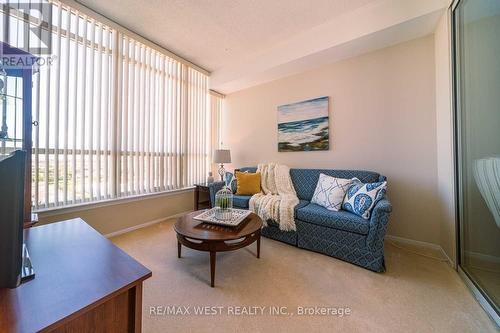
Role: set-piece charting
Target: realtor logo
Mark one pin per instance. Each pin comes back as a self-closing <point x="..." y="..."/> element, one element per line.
<point x="27" y="25"/>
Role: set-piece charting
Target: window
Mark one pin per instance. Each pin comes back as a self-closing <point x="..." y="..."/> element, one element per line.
<point x="116" y="117"/>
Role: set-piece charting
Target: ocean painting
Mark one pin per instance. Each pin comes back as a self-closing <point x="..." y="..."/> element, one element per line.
<point x="303" y="126"/>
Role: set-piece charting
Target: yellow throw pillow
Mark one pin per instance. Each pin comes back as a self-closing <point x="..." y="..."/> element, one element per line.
<point x="247" y="183"/>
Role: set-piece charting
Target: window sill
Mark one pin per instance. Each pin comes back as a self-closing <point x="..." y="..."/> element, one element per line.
<point x="47" y="212"/>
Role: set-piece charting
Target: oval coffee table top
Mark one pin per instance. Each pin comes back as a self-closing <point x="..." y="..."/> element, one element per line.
<point x="189" y="227"/>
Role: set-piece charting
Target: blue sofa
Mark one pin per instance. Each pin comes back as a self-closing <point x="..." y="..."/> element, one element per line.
<point x="341" y="234"/>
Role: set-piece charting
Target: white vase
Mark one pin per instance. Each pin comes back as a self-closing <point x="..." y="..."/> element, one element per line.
<point x="210" y="178"/>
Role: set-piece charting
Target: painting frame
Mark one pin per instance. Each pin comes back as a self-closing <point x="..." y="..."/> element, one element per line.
<point x="304" y="125"/>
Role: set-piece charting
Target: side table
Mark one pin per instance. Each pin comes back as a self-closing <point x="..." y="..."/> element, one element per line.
<point x="202" y="196"/>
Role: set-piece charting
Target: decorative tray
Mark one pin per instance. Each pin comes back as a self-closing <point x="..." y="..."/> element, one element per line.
<point x="208" y="216"/>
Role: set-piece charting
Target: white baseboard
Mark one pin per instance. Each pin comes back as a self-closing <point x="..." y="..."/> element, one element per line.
<point x="424" y="245"/>
<point x="143" y="225"/>
<point x="448" y="259"/>
<point x="408" y="241"/>
<point x="483" y="257"/>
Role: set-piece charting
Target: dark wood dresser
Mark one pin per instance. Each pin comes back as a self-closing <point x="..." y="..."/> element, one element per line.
<point x="83" y="283"/>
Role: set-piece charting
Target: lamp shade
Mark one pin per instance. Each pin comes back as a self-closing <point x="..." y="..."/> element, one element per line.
<point x="222" y="156"/>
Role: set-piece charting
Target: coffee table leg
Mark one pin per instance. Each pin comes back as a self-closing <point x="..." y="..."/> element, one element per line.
<point x="179" y="246"/>
<point x="212" y="268"/>
<point x="258" y="247"/>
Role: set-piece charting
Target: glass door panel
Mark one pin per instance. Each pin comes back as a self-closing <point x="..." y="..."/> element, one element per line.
<point x="477" y="68"/>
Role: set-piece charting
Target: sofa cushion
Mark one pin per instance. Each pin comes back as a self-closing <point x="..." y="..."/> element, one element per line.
<point x="241" y="201"/>
<point x="361" y="198"/>
<point x="301" y="204"/>
<point x="330" y="192"/>
<point x="305" y="180"/>
<point x="230" y="179"/>
<point x="341" y="220"/>
<point x="247" y="183"/>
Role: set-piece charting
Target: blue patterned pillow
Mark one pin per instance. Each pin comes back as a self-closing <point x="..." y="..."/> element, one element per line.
<point x="360" y="198"/>
<point x="330" y="191"/>
<point x="230" y="181"/>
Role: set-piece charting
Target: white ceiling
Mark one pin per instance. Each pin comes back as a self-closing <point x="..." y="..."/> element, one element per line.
<point x="211" y="33"/>
<point x="248" y="42"/>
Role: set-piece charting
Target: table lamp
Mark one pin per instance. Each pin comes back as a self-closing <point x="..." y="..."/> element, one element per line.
<point x="222" y="156"/>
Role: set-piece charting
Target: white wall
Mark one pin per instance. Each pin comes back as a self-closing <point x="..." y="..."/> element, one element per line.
<point x="119" y="215"/>
<point x="444" y="137"/>
<point x="382" y="118"/>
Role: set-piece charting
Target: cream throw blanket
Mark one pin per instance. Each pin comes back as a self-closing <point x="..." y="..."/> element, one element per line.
<point x="278" y="198"/>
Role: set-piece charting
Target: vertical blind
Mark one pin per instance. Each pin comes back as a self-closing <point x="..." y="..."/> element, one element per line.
<point x="216" y="109"/>
<point x="116" y="117"/>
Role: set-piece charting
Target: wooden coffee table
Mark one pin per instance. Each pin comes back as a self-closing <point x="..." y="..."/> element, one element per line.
<point x="212" y="238"/>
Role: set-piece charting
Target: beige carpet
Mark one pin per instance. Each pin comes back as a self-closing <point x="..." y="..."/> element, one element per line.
<point x="416" y="294"/>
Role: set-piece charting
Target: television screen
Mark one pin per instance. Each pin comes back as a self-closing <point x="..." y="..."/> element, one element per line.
<point x="12" y="170"/>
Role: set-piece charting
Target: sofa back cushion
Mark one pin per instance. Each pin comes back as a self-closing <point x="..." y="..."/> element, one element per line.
<point x="305" y="180"/>
<point x="248" y="169"/>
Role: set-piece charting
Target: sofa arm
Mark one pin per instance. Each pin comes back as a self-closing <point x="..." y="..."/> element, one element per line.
<point x="213" y="188"/>
<point x="378" y="224"/>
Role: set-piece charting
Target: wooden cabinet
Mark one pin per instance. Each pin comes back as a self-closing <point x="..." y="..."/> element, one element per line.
<point x="83" y="283"/>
